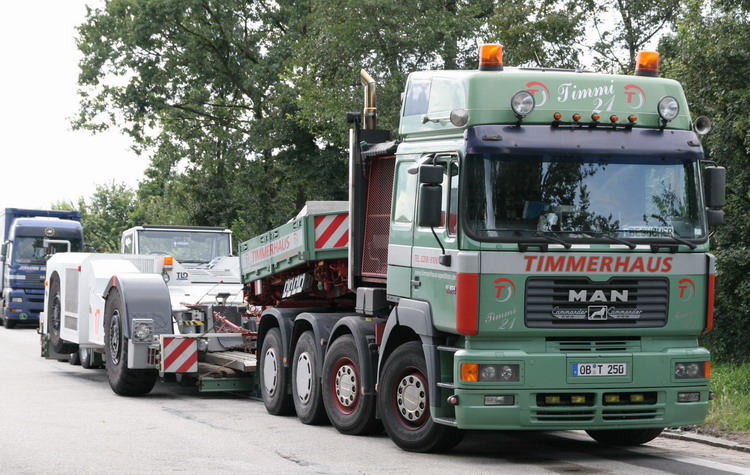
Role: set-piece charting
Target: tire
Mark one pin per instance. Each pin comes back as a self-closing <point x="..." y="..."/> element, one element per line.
<point x="9" y="324"/>
<point x="349" y="411"/>
<point x="408" y="420"/>
<point x="306" y="393"/>
<point x="74" y="359"/>
<point x="273" y="376"/>
<point x="624" y="437"/>
<point x="54" y="321"/>
<point x="85" y="356"/>
<point x="123" y="380"/>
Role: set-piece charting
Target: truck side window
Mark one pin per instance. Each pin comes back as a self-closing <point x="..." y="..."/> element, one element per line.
<point x="406" y="189"/>
<point x="127" y="244"/>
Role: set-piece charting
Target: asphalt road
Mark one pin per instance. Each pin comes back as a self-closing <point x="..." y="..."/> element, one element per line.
<point x="58" y="418"/>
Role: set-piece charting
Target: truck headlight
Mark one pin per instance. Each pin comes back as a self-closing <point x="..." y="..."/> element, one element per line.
<point x="691" y="370"/>
<point x="491" y="373"/>
<point x="143" y="331"/>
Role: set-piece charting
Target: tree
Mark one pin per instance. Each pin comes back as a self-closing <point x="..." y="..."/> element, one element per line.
<point x="710" y="55"/>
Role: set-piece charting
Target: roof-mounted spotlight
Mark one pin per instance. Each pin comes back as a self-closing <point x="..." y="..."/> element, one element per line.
<point x="522" y="104"/>
<point x="668" y="108"/>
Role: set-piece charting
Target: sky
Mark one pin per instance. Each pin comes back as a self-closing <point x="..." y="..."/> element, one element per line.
<point x="42" y="160"/>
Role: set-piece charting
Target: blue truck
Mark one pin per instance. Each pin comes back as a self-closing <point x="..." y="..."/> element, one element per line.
<point x="28" y="237"/>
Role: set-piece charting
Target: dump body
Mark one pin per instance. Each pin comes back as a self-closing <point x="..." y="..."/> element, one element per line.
<point x="24" y="233"/>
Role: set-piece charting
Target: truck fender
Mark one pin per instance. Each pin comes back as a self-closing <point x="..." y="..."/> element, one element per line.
<point x="143" y="296"/>
<point x="363" y="332"/>
<point x="322" y="325"/>
<point x="409" y="318"/>
<point x="283" y="318"/>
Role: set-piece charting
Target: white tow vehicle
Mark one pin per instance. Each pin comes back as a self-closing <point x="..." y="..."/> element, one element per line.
<point x="169" y="306"/>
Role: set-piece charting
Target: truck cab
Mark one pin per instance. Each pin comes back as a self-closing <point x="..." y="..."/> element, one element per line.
<point x="30" y="240"/>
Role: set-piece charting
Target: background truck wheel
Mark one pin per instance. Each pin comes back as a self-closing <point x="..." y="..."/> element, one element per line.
<point x="624" y="437"/>
<point x="306" y="394"/>
<point x="74" y="359"/>
<point x="86" y="356"/>
<point x="404" y="404"/>
<point x="8" y="323"/>
<point x="273" y="376"/>
<point x="349" y="410"/>
<point x="123" y="380"/>
<point x="54" y="321"/>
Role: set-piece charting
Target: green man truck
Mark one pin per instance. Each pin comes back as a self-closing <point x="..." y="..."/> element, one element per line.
<point x="531" y="253"/>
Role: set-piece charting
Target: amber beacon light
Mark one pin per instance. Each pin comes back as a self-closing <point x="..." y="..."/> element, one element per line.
<point x="647" y="64"/>
<point x="491" y="57"/>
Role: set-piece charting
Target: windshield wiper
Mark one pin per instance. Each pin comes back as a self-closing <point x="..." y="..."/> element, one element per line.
<point x="604" y="235"/>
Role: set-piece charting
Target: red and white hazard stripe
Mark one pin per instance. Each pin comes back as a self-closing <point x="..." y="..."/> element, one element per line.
<point x="331" y="231"/>
<point x="180" y="355"/>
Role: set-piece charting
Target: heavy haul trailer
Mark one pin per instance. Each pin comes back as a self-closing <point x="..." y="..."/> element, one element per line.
<point x="531" y="254"/>
<point x="169" y="306"/>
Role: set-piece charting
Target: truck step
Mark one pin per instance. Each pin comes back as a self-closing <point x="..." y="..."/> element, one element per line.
<point x="448" y="421"/>
<point x="451" y="349"/>
<point x="237" y="360"/>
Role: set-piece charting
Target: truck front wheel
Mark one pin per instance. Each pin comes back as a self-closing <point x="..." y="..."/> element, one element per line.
<point x="350" y="411"/>
<point x="624" y="437"/>
<point x="273" y="375"/>
<point x="404" y="404"/>
<point x="54" y="321"/>
<point x="123" y="380"/>
<point x="308" y="400"/>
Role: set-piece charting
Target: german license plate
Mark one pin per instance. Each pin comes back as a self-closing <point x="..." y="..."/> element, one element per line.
<point x="600" y="369"/>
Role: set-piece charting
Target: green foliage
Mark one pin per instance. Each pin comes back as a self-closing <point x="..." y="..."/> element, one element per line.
<point x="710" y="55"/>
<point x="731" y="408"/>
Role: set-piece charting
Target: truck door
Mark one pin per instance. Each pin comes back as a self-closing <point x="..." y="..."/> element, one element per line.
<point x="402" y="228"/>
<point x="431" y="280"/>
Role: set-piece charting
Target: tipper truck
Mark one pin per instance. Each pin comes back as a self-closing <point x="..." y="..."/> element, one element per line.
<point x="531" y="253"/>
<point x="28" y="237"/>
<point x="169" y="306"/>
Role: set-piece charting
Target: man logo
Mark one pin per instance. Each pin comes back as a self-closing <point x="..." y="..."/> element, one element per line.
<point x="597" y="296"/>
<point x="505" y="289"/>
<point x="597" y="312"/>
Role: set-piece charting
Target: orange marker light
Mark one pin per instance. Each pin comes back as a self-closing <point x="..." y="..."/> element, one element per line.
<point x="491" y="57"/>
<point x="632" y="119"/>
<point x="168" y="260"/>
<point x="647" y="64"/>
<point x="470" y="372"/>
<point x="557" y="116"/>
<point x="595" y="117"/>
<point x="707" y="369"/>
<point x="613" y="118"/>
<point x="576" y="117"/>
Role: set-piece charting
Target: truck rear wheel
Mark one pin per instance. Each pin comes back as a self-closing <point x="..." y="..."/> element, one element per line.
<point x="404" y="404"/>
<point x="306" y="394"/>
<point x="273" y="375"/>
<point x="350" y="411"/>
<point x="54" y="321"/>
<point x="624" y="437"/>
<point x="123" y="380"/>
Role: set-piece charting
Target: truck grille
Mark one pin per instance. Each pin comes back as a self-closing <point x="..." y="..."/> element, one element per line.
<point x="582" y="303"/>
<point x="35" y="279"/>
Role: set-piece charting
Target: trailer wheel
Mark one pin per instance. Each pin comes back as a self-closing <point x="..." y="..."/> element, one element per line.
<point x="624" y="437"/>
<point x="54" y="321"/>
<point x="123" y="380"/>
<point x="404" y="404"/>
<point x="74" y="359"/>
<point x="306" y="393"/>
<point x="273" y="375"/>
<point x="350" y="411"/>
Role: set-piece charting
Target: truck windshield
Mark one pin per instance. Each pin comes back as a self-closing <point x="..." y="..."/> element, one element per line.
<point x="31" y="250"/>
<point x="582" y="197"/>
<point x="185" y="246"/>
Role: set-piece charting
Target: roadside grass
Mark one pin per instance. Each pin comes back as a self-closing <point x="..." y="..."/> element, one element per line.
<point x="731" y="408"/>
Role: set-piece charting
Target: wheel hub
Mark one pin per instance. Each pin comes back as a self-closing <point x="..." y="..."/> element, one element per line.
<point x="346" y="385"/>
<point x="270" y="371"/>
<point x="114" y="337"/>
<point x="411" y="398"/>
<point x="304" y="377"/>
